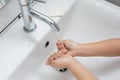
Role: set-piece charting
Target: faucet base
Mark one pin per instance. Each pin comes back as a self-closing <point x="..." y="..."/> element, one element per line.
<point x="30" y="30"/>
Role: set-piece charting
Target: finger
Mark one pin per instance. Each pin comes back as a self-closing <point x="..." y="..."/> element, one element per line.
<point x="56" y="55"/>
<point x="71" y="53"/>
<point x="52" y="63"/>
<point x="63" y="51"/>
<point x="59" y="42"/>
<point x="51" y="57"/>
<point x="60" y="53"/>
<point x="48" y="62"/>
<point x="67" y="44"/>
<point x="60" y="46"/>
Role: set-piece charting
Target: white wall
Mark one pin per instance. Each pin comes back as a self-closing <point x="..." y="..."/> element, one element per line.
<point x="8" y="13"/>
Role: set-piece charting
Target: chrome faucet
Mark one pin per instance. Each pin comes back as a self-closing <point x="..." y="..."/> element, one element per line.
<point x="28" y="12"/>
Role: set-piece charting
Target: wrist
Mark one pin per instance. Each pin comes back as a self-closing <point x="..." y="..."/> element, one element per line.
<point x="83" y="50"/>
<point x="71" y="63"/>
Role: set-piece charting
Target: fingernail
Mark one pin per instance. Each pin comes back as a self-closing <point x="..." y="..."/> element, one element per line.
<point x="51" y="58"/>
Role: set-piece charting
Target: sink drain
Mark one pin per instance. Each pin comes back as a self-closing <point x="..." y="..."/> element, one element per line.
<point x="47" y="44"/>
<point x="62" y="70"/>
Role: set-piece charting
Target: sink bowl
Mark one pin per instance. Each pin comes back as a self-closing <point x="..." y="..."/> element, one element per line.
<point x="91" y="21"/>
<point x="31" y="50"/>
<point x="24" y="50"/>
<point x="87" y="21"/>
<point x="33" y="66"/>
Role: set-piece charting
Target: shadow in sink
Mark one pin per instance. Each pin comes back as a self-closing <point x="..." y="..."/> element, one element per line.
<point x="108" y="66"/>
<point x="116" y="2"/>
<point x="50" y="73"/>
<point x="32" y="69"/>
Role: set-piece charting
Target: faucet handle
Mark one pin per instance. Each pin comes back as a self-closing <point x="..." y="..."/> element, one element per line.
<point x="42" y="1"/>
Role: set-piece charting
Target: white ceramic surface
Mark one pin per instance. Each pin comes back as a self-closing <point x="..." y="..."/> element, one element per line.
<point x="91" y="21"/>
<point x="22" y="54"/>
<point x="34" y="67"/>
<point x="17" y="45"/>
<point x="87" y="21"/>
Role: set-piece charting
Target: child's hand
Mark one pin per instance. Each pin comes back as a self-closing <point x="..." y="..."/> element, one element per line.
<point x="61" y="51"/>
<point x="68" y="47"/>
<point x="60" y="62"/>
<point x="55" y="56"/>
<point x="61" y="47"/>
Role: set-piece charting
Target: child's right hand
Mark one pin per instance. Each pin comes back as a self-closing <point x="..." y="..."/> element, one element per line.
<point x="68" y="47"/>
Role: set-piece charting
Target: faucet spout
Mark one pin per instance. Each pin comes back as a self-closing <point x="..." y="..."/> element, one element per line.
<point x="46" y="19"/>
<point x="28" y="12"/>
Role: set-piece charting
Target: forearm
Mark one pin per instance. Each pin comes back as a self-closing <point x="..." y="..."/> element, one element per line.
<point x="80" y="72"/>
<point x="103" y="48"/>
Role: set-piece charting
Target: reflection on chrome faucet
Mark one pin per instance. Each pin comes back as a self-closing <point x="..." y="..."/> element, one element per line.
<point x="46" y="19"/>
<point x="27" y="13"/>
<point x="29" y="25"/>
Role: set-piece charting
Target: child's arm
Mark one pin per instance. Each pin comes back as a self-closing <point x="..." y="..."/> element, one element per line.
<point x="80" y="72"/>
<point x="109" y="47"/>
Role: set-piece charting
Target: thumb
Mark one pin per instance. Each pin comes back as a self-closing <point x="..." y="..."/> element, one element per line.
<point x="67" y="44"/>
<point x="51" y="63"/>
<point x="70" y="44"/>
<point x="71" y="53"/>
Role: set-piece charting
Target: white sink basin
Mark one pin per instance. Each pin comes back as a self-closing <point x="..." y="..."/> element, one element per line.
<point x="18" y="45"/>
<point x="91" y="21"/>
<point x="88" y="21"/>
<point x="23" y="55"/>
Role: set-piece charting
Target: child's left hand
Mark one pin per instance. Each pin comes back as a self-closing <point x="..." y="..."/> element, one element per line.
<point x="60" y="62"/>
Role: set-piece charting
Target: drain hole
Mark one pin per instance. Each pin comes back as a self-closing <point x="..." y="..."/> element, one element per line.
<point x="47" y="44"/>
<point x="62" y="70"/>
